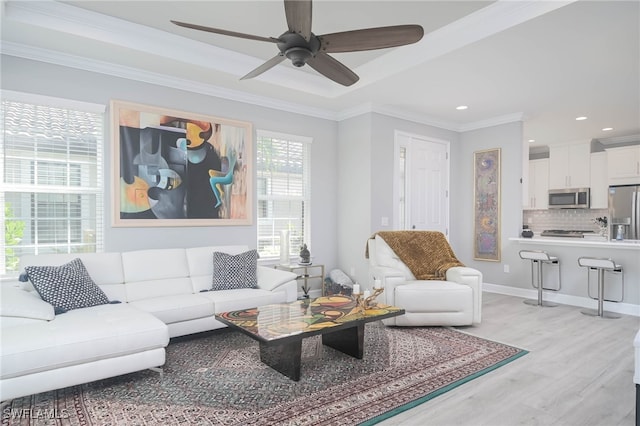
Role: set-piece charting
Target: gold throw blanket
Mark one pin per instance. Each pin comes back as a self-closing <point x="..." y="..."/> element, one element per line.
<point x="427" y="254"/>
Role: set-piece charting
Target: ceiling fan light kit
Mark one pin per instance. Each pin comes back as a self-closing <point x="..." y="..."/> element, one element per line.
<point x="301" y="46"/>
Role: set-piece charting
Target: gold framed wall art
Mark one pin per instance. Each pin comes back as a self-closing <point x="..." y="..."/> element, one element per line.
<point x="175" y="168"/>
<point x="486" y="202"/>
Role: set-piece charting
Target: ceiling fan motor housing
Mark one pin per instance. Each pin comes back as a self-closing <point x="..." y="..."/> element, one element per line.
<point x="297" y="49"/>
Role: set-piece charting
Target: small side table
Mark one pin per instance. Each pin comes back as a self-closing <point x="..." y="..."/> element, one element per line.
<point x="305" y="273"/>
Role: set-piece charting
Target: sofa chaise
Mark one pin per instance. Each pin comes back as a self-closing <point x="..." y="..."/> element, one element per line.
<point x="153" y="295"/>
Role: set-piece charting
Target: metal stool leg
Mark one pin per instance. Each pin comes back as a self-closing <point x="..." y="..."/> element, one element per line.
<point x="600" y="311"/>
<point x="540" y="301"/>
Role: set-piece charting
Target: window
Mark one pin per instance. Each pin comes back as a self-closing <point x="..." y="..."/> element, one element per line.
<point x="51" y="188"/>
<point x="283" y="163"/>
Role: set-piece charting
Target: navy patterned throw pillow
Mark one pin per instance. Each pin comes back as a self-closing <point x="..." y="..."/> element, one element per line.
<point x="233" y="272"/>
<point x="67" y="286"/>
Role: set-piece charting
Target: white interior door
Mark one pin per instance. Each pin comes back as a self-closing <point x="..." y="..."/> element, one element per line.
<point x="426" y="183"/>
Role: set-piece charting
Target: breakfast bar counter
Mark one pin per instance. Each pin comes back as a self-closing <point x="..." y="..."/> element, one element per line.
<point x="596" y="242"/>
<point x="574" y="282"/>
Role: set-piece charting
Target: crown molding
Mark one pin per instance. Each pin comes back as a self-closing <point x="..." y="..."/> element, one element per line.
<point x="483" y="23"/>
<point x="115" y="70"/>
<point x="68" y="19"/>
<point x="368" y="108"/>
<point x="490" y="20"/>
<point x="490" y="122"/>
<point x="73" y="20"/>
<point x="361" y="109"/>
<point x="426" y="120"/>
<point x="619" y="140"/>
<point x="414" y="117"/>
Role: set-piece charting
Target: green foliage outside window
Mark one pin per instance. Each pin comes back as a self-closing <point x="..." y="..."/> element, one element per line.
<point x="13" y="231"/>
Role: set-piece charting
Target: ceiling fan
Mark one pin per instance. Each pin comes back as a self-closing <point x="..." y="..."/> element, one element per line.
<point x="302" y="46"/>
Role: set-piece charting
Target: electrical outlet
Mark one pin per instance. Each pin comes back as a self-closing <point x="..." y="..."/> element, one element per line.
<point x="352" y="272"/>
<point x="529" y="220"/>
<point x="506" y="269"/>
<point x="385" y="221"/>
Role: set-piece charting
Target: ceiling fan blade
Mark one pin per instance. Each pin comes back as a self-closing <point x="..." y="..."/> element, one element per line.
<point x="264" y="67"/>
<point x="225" y="32"/>
<point x="331" y="68"/>
<point x="298" y="14"/>
<point x="370" y="38"/>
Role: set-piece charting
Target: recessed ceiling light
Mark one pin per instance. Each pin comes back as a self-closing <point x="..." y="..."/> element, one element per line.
<point x="531" y="140"/>
<point x="581" y="118"/>
<point x="606" y="129"/>
<point x="461" y="107"/>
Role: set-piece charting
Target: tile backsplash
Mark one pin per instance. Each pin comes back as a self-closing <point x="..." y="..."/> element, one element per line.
<point x="566" y="219"/>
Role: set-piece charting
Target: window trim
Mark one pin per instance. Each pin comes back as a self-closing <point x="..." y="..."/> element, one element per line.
<point x="308" y="141"/>
<point x="99" y="191"/>
<point x="50" y="101"/>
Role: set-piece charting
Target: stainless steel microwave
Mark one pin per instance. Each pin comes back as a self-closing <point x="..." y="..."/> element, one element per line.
<point x="577" y="198"/>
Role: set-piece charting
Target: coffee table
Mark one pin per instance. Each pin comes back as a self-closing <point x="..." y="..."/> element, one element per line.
<point x="280" y="328"/>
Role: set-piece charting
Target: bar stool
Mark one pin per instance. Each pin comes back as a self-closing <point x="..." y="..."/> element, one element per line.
<point x="602" y="265"/>
<point x="540" y="257"/>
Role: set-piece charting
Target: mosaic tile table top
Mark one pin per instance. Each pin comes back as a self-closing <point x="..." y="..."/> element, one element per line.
<point x="309" y="317"/>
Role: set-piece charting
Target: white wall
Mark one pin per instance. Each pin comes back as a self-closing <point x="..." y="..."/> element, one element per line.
<point x="51" y="80"/>
<point x="383" y="134"/>
<point x="366" y="145"/>
<point x="351" y="171"/>
<point x="507" y="137"/>
<point x="354" y="195"/>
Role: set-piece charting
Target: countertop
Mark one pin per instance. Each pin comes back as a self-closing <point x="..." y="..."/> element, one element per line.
<point x="595" y="241"/>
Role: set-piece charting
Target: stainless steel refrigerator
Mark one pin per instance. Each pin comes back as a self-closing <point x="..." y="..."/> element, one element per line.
<point x="624" y="211"/>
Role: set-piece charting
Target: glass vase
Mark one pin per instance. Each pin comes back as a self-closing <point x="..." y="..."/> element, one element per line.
<point x="284" y="247"/>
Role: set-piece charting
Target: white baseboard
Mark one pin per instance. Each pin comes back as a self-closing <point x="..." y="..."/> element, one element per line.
<point x="565" y="299"/>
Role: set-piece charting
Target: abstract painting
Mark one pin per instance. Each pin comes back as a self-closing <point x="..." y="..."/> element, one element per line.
<point x="173" y="168"/>
<point x="486" y="200"/>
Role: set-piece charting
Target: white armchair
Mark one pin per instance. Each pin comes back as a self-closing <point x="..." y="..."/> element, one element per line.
<point x="455" y="301"/>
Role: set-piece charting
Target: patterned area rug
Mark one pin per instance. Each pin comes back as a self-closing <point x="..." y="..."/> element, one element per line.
<point x="217" y="379"/>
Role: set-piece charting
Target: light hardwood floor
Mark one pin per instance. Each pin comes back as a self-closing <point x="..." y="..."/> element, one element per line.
<point x="579" y="371"/>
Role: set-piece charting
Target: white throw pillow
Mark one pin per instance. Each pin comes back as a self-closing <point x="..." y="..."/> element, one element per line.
<point x="18" y="303"/>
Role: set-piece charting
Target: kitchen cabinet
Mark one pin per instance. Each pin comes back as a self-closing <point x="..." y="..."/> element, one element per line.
<point x="538" y="185"/>
<point x="599" y="182"/>
<point x="623" y="165"/>
<point x="569" y="165"/>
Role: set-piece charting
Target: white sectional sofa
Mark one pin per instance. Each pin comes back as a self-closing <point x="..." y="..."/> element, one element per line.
<point x="163" y="293"/>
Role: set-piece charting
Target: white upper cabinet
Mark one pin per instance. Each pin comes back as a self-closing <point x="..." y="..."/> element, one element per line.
<point x="599" y="181"/>
<point x="569" y="165"/>
<point x="624" y="165"/>
<point x="538" y="185"/>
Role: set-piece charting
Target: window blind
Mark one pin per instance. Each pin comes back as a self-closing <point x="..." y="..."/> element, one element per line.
<point x="283" y="187"/>
<point x="52" y="189"/>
